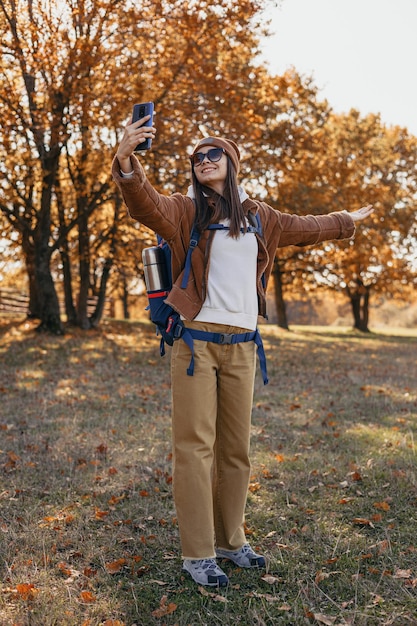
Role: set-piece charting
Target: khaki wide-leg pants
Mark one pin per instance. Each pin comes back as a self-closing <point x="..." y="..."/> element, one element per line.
<point x="211" y="434"/>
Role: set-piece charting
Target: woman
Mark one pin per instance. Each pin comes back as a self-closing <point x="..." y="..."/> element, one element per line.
<point x="225" y="293"/>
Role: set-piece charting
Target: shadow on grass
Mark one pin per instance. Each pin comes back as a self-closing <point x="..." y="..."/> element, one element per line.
<point x="394" y="335"/>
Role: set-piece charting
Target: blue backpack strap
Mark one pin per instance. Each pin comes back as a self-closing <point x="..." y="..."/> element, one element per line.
<point x="260" y="233"/>
<point x="259" y="223"/>
<point x="260" y="350"/>
<point x="194" y="239"/>
<point x="189" y="334"/>
<point x="217" y="227"/>
<point x="249" y="229"/>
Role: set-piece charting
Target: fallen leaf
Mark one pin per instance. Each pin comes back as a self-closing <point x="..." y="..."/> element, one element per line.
<point x="65" y="569"/>
<point x="248" y="531"/>
<point x="321" y="576"/>
<point x="89" y="572"/>
<point x="215" y="596"/>
<point x="402" y="573"/>
<point x="26" y="591"/>
<point x="87" y="597"/>
<point x="383" y="546"/>
<point x="115" y="500"/>
<point x="271" y="580"/>
<point x="164" y="608"/>
<point x="362" y="521"/>
<point x="115" y="566"/>
<point x="377" y="599"/>
<point x="324" y="619"/>
<point x="158" y="582"/>
<point x="324" y="575"/>
<point x="345" y="500"/>
<point x="382" y="506"/>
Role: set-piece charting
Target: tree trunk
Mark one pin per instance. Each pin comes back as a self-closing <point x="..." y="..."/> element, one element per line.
<point x="44" y="285"/>
<point x="112" y="238"/>
<point x="34" y="309"/>
<point x="70" y="310"/>
<point x="359" y="299"/>
<point x="45" y="289"/>
<point x="279" y="297"/>
<point x="125" y="299"/>
<point x="43" y="299"/>
<point x="84" y="252"/>
<point x="98" y="313"/>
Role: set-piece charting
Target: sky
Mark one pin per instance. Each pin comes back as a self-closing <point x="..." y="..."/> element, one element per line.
<point x="362" y="54"/>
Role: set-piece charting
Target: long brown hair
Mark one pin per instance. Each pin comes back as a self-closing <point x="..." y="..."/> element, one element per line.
<point x="226" y="206"/>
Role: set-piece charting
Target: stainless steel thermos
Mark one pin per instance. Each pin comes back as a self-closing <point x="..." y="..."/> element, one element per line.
<point x="155" y="270"/>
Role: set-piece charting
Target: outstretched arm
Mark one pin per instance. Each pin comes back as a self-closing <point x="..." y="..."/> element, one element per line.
<point x="362" y="213"/>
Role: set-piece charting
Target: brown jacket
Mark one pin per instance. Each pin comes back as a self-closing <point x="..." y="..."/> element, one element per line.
<point x="172" y="217"/>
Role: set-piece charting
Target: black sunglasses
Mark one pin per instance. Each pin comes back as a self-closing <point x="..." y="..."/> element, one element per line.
<point x="213" y="155"/>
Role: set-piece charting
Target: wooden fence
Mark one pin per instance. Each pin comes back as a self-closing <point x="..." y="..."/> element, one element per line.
<point x="12" y="301"/>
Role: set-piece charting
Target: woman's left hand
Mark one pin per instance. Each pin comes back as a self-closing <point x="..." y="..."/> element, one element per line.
<point x="362" y="213"/>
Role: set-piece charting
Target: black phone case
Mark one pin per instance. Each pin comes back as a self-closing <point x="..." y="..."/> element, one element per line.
<point x="139" y="111"/>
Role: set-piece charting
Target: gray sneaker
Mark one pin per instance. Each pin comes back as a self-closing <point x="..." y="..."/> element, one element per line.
<point x="205" y="572"/>
<point x="245" y="557"/>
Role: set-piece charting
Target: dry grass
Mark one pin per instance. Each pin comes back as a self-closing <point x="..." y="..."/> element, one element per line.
<point x="87" y="523"/>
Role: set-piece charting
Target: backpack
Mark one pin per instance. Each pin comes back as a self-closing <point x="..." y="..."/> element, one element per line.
<point x="158" y="281"/>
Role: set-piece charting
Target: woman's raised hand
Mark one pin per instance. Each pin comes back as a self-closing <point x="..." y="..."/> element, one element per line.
<point x="134" y="134"/>
<point x="362" y="213"/>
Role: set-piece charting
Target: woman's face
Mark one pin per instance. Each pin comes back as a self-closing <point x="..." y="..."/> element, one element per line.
<point x="212" y="174"/>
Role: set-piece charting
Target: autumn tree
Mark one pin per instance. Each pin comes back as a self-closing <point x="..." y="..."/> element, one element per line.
<point x="361" y="161"/>
<point x="310" y="161"/>
<point x="70" y="74"/>
<point x="46" y="50"/>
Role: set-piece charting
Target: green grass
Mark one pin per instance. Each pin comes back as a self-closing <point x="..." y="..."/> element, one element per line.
<point x="87" y="522"/>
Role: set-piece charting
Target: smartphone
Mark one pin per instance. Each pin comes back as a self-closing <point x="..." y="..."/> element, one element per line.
<point x="139" y="111"/>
